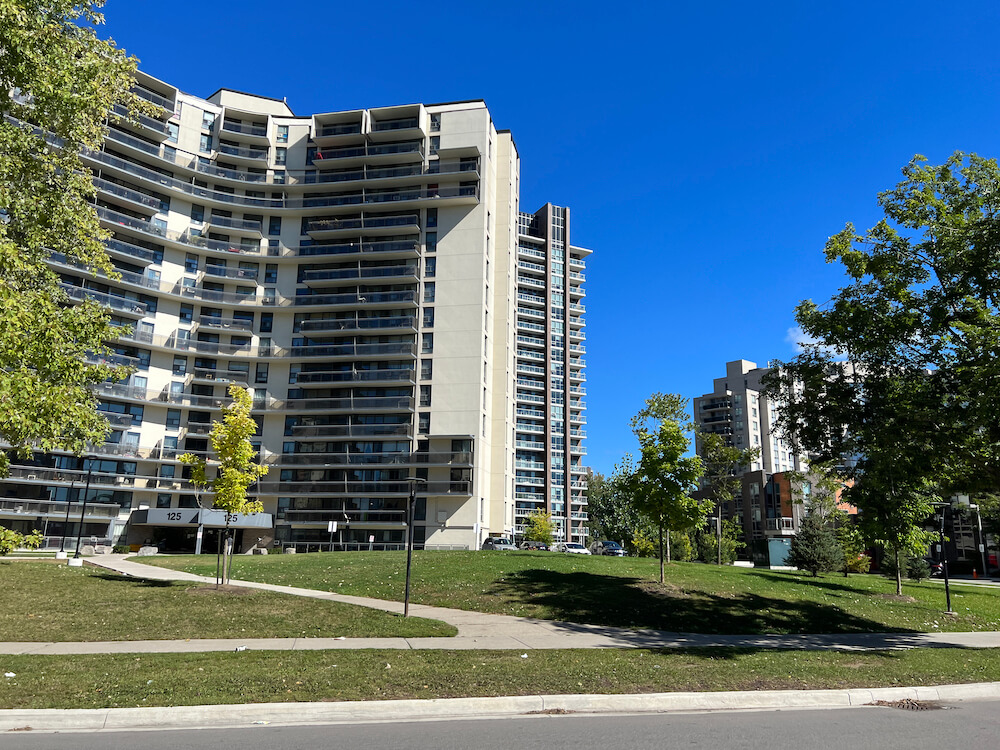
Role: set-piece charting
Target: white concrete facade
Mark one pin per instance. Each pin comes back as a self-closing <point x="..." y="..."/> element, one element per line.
<point x="367" y="274"/>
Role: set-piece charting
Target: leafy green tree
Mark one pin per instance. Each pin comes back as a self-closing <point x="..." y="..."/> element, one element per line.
<point x="60" y="84"/>
<point x="852" y="542"/>
<point x="724" y="466"/>
<point x="539" y="527"/>
<point x="11" y="540"/>
<point x="903" y="369"/>
<point x="235" y="469"/>
<point x="815" y="547"/>
<point x="664" y="477"/>
<point x="610" y="512"/>
<point x="708" y="543"/>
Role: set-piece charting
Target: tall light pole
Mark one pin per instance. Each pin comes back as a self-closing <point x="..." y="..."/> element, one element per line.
<point x="77" y="561"/>
<point x="409" y="539"/>
<point x="61" y="554"/>
<point x="944" y="557"/>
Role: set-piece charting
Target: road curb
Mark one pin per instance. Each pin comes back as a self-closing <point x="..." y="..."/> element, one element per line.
<point x="362" y="712"/>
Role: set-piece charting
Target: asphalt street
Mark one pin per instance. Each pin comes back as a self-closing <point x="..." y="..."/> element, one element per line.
<point x="968" y="725"/>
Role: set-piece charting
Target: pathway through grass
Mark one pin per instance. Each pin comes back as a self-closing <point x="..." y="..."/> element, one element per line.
<point x="624" y="591"/>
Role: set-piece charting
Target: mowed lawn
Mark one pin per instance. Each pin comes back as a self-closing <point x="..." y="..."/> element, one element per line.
<point x="696" y="598"/>
<point x="121" y="680"/>
<point x="45" y="601"/>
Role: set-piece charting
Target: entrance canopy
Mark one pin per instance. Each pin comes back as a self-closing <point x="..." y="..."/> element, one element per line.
<point x="193" y="517"/>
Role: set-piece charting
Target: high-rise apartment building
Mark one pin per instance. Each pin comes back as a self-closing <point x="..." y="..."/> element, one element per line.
<point x="370" y="276"/>
<point x="739" y="409"/>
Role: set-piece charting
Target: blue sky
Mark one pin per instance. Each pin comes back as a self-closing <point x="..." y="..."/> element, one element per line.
<point x="706" y="150"/>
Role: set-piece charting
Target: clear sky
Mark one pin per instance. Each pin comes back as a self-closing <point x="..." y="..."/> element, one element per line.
<point x="706" y="150"/>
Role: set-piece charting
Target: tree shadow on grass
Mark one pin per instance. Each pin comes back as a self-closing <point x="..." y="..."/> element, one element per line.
<point x="640" y="603"/>
<point x="134" y="582"/>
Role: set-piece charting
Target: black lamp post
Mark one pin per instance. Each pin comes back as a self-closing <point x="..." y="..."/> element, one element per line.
<point x="409" y="540"/>
<point x="943" y="507"/>
<point x="69" y="495"/>
<point x="83" y="508"/>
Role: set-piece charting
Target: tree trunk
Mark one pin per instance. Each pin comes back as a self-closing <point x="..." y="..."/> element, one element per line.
<point x="661" y="551"/>
<point x="668" y="545"/>
<point x="899" y="575"/>
<point x="718" y="534"/>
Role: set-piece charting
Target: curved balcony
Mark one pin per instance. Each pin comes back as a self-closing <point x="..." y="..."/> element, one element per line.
<point x="216" y="323"/>
<point x="407" y="247"/>
<point x="332" y="351"/>
<point x="120" y="305"/>
<point x="347" y="405"/>
<point x="316" y="276"/>
<point x="407" y="323"/>
<point x="356" y="376"/>
<point x="371" y="224"/>
<point x="230" y="224"/>
<point x="243" y="153"/>
<point x="369" y="299"/>
<point x="134" y="252"/>
<point x="351" y="431"/>
<point x="133" y="198"/>
<point x="237" y="274"/>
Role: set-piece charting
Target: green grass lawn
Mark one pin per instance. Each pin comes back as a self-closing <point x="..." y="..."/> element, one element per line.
<point x="269" y="676"/>
<point x="625" y="591"/>
<point x="45" y="601"/>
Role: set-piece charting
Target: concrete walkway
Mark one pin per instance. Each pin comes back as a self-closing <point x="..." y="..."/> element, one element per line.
<point x="477" y="630"/>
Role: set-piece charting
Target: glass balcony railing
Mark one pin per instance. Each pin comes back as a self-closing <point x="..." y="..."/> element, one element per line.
<point x="237" y="127"/>
<point x="243" y="152"/>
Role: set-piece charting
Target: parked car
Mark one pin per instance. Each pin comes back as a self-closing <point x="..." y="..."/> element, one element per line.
<point x="498" y="543"/>
<point x="535" y="546"/>
<point x="573" y="547"/>
<point x="609" y="548"/>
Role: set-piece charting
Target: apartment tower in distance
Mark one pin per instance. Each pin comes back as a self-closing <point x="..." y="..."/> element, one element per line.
<point x="370" y="276"/>
<point x="741" y="412"/>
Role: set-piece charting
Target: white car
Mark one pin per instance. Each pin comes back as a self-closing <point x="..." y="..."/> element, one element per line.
<point x="573" y="547"/>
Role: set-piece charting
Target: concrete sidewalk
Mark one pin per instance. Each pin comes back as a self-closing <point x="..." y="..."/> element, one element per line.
<point x="477" y="630"/>
<point x="365" y="712"/>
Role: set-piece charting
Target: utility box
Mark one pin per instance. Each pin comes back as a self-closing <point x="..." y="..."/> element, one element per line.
<point x="771" y="553"/>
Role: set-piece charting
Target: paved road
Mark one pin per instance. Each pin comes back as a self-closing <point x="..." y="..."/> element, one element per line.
<point x="965" y="725"/>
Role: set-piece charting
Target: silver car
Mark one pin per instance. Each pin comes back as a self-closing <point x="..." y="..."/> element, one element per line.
<point x="498" y="543"/>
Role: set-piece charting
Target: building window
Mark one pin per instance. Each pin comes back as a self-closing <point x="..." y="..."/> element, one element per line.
<point x="425" y="395"/>
<point x="197" y="213"/>
<point x="191" y="263"/>
<point x="274" y="226"/>
<point x="429" y="291"/>
<point x="426" y="369"/>
<point x="205" y="144"/>
<point x="435" y="143"/>
<point x="207" y="120"/>
<point x="173" y="419"/>
<point x="271" y="273"/>
<point x="280" y="155"/>
<point x="163" y="500"/>
<point x="180" y="365"/>
<point x="431" y="242"/>
<point x="279" y="177"/>
<point x="435" y="122"/>
<point x="424" y="422"/>
<point x="430" y="267"/>
<point x="432" y="217"/>
<point x="186" y="314"/>
<point x="261" y="376"/>
<point x="266" y="322"/>
<point x="426" y="343"/>
<point x="282" y="136"/>
<point x="428" y="317"/>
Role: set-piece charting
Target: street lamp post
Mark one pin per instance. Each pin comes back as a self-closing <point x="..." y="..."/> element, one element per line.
<point x="61" y="554"/>
<point x="77" y="562"/>
<point x="409" y="539"/>
<point x="943" y="507"/>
